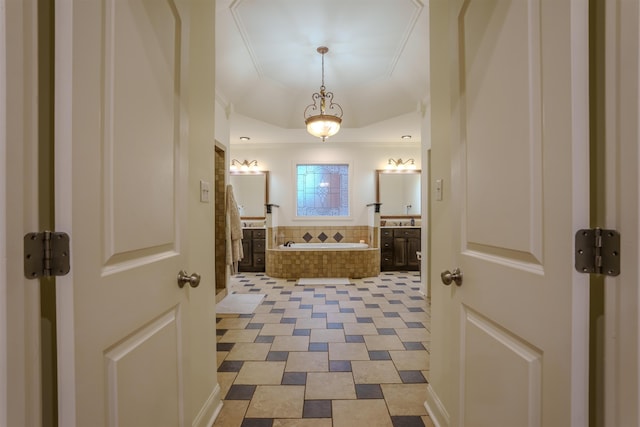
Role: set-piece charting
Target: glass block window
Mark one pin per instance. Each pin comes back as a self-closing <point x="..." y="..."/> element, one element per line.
<point x="322" y="190"/>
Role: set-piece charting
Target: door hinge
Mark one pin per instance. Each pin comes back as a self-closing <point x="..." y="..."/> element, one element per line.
<point x="46" y="254"/>
<point x="598" y="251"/>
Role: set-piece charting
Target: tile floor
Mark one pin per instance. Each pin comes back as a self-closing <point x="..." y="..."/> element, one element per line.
<point x="326" y="356"/>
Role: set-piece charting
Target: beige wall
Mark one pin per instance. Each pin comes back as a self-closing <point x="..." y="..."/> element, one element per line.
<point x="441" y="373"/>
<point x="203" y="389"/>
<point x="364" y="159"/>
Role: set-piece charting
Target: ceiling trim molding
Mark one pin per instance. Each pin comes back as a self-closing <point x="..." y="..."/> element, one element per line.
<point x="233" y="8"/>
<point x="326" y="145"/>
<point x="228" y="108"/>
<point x="419" y="6"/>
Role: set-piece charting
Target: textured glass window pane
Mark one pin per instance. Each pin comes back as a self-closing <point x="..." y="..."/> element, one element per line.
<point x="322" y="190"/>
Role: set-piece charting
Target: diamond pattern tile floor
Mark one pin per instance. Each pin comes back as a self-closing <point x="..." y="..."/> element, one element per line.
<point x="318" y="356"/>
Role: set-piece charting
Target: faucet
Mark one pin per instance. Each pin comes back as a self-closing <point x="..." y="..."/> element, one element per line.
<point x="289" y="243"/>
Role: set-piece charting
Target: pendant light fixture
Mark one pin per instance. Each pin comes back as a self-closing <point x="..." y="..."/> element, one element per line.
<point x="323" y="117"/>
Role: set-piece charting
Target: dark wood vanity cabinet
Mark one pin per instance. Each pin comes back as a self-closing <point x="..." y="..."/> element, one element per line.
<point x="398" y="247"/>
<point x="253" y="245"/>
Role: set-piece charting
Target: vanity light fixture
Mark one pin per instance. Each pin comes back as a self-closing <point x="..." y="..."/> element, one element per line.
<point x="400" y="164"/>
<point x="245" y="166"/>
<point x="323" y="117"/>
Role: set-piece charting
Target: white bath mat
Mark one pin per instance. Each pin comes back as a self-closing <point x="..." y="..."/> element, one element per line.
<point x="239" y="303"/>
<point x="323" y="281"/>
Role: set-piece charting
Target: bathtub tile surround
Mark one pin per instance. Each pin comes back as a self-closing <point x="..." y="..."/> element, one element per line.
<point x="321" y="234"/>
<point x="324" y="363"/>
<point x="293" y="265"/>
<point x="374" y="237"/>
<point x="327" y="245"/>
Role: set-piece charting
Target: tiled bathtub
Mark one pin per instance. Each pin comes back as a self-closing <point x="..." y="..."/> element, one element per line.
<point x="292" y="263"/>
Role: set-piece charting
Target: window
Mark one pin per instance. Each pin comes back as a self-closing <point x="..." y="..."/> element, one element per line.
<point x="322" y="190"/>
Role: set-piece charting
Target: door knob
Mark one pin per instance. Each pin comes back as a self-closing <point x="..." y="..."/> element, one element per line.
<point x="183" y="279"/>
<point x="447" y="277"/>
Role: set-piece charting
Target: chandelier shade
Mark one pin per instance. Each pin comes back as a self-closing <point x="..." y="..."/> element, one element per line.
<point x="323" y="126"/>
<point x="323" y="117"/>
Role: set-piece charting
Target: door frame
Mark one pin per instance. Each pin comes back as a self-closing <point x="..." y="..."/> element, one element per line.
<point x="621" y="211"/>
<point x="20" y="368"/>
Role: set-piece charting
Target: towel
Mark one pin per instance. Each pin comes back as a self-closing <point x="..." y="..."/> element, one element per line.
<point x="233" y="231"/>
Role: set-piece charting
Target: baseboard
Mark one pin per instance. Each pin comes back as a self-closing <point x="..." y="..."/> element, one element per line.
<point x="437" y="412"/>
<point x="210" y="410"/>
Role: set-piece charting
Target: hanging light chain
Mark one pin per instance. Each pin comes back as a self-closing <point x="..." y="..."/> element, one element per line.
<point x="323" y="125"/>
<point x="323" y="96"/>
<point x="322" y="86"/>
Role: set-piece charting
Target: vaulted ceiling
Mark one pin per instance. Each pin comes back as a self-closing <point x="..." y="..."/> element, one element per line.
<point x="267" y="66"/>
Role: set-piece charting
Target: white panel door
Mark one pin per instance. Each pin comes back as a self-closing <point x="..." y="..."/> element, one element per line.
<point x="520" y="190"/>
<point x="121" y="168"/>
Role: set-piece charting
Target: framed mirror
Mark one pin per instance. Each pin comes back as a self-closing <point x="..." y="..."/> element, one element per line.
<point x="398" y="192"/>
<point x="251" y="191"/>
